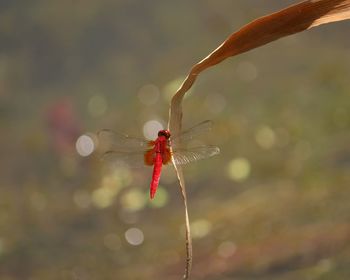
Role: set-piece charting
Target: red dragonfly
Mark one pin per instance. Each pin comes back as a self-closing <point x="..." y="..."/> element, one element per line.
<point x="121" y="148"/>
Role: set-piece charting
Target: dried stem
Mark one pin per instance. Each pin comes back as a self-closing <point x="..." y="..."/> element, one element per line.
<point x="187" y="223"/>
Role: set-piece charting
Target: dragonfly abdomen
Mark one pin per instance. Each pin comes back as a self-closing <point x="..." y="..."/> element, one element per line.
<point x="158" y="162"/>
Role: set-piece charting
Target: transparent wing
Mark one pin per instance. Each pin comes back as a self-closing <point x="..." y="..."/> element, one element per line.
<point x="129" y="159"/>
<point x="184" y="156"/>
<point x="109" y="140"/>
<point x="121" y="149"/>
<point x="192" y="132"/>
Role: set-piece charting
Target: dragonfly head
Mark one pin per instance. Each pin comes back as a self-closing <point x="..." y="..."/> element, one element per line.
<point x="165" y="133"/>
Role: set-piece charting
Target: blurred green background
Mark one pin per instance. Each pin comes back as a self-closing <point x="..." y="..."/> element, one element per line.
<point x="273" y="205"/>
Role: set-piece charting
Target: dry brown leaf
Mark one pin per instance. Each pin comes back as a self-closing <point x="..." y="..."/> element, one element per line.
<point x="261" y="31"/>
<point x="291" y="20"/>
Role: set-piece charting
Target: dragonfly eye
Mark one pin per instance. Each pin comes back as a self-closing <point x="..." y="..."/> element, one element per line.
<point x="165" y="133"/>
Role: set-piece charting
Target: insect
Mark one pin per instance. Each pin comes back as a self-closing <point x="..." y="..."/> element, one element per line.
<point x="166" y="148"/>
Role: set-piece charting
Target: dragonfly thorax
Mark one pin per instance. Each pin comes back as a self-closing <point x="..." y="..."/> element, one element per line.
<point x="165" y="133"/>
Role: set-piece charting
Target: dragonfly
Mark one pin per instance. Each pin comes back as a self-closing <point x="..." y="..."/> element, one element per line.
<point x="166" y="148"/>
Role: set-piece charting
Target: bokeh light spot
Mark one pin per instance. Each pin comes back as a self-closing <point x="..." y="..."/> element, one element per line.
<point x="265" y="137"/>
<point x="239" y="169"/>
<point x="324" y="266"/>
<point x="111" y="185"/>
<point x="97" y="105"/>
<point x="134" y="236"/>
<point x="133" y="200"/>
<point x="227" y="249"/>
<point x="200" y="228"/>
<point x="104" y="196"/>
<point x="161" y="198"/>
<point x="121" y="176"/>
<point x="148" y="94"/>
<point x="85" y="145"/>
<point x="151" y="128"/>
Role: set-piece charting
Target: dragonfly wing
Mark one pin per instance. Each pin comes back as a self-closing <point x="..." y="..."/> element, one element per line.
<point x="192" y="132"/>
<point x="114" y="141"/>
<point x="129" y="159"/>
<point x="184" y="156"/>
